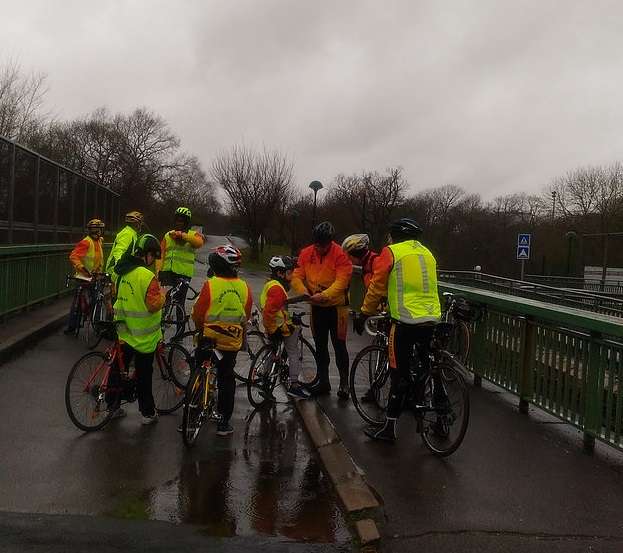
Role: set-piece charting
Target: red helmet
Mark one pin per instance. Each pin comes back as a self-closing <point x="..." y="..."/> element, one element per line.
<point x="231" y="255"/>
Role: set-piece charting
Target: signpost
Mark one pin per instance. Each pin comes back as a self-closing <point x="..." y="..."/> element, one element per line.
<point x="523" y="250"/>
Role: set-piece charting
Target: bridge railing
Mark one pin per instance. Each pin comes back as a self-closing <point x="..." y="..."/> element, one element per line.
<point x="32" y="275"/>
<point x="564" y="360"/>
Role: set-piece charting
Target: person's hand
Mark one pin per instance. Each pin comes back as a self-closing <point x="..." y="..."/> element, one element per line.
<point x="275" y="336"/>
<point x="359" y="322"/>
<point x="316" y="299"/>
<point x="177" y="234"/>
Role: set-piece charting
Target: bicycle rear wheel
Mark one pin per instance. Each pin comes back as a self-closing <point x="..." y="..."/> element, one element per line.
<point x="86" y="393"/>
<point x="193" y="416"/>
<point x="255" y="341"/>
<point x="443" y="424"/>
<point x="370" y="382"/>
<point x="170" y="375"/>
<point x="262" y="378"/>
<point x="173" y="321"/>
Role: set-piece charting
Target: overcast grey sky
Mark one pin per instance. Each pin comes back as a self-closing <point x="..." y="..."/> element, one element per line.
<point x="496" y="96"/>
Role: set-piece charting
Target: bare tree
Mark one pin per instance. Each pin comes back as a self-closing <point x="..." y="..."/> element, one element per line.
<point x="21" y="103"/>
<point x="256" y="184"/>
<point x="590" y="198"/>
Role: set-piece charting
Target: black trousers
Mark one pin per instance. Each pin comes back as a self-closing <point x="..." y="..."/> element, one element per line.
<point x="325" y="322"/>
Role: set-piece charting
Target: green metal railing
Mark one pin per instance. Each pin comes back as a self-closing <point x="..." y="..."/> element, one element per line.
<point x="32" y="275"/>
<point x="564" y="360"/>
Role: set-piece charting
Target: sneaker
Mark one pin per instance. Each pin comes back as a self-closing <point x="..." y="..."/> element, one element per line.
<point x="224" y="429"/>
<point x="149" y="420"/>
<point x="118" y="413"/>
<point x="69" y="331"/>
<point x="343" y="392"/>
<point x="297" y="392"/>
<point x="368" y="397"/>
<point x="384" y="433"/>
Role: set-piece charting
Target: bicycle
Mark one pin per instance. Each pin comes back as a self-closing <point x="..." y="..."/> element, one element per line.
<point x="458" y="312"/>
<point x="437" y="397"/>
<point x="270" y="367"/>
<point x="201" y="395"/>
<point x="91" y="305"/>
<point x="174" y="317"/>
<point x="99" y="382"/>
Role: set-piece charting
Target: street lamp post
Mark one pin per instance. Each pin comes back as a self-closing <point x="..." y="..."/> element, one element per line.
<point x="315" y="185"/>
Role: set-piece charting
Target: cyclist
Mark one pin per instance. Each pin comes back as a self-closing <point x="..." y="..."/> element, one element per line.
<point x="221" y="312"/>
<point x="138" y="306"/>
<point x="276" y="318"/>
<point x="324" y="272"/>
<point x="356" y="246"/>
<point x="86" y="257"/>
<point x="178" y="252"/>
<point x="407" y="274"/>
<point x="125" y="239"/>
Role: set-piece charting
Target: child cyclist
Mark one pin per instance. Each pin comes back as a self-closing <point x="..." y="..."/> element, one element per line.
<point x="276" y="318"/>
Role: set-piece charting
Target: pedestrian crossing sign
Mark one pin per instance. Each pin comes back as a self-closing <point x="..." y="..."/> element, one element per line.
<point x="523" y="240"/>
<point x="523" y="252"/>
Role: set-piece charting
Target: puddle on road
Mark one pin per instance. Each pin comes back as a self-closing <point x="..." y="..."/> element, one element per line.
<point x="269" y="483"/>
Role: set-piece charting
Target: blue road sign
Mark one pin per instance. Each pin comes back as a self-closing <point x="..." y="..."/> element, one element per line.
<point x="523" y="252"/>
<point x="523" y="240"/>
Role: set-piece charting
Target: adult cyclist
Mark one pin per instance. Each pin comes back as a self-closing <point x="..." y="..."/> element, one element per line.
<point x="407" y="274"/>
<point x="178" y="252"/>
<point x="126" y="239"/>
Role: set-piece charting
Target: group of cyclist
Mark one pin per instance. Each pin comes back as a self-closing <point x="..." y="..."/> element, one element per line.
<point x="143" y="269"/>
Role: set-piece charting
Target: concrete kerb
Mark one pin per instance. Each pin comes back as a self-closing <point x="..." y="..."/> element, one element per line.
<point x="353" y="492"/>
<point x="34" y="325"/>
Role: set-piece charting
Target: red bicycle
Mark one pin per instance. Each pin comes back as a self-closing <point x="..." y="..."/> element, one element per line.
<point x="99" y="382"/>
<point x="92" y="306"/>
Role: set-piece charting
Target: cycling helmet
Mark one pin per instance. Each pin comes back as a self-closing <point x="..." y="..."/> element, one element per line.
<point x="323" y="233"/>
<point x="356" y="243"/>
<point x="134" y="217"/>
<point x="405" y="228"/>
<point x="231" y="255"/>
<point x="284" y="262"/>
<point x="147" y="243"/>
<point x="183" y="212"/>
<point x="95" y="223"/>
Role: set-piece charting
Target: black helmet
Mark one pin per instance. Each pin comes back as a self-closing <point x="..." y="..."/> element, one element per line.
<point x="283" y="262"/>
<point x="147" y="243"/>
<point x="323" y="233"/>
<point x="404" y="228"/>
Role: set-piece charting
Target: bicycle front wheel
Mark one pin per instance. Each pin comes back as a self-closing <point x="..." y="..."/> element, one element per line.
<point x="92" y="334"/>
<point x="170" y="374"/>
<point x="459" y="342"/>
<point x="85" y="392"/>
<point x="443" y="423"/>
<point x="308" y="365"/>
<point x="370" y="382"/>
<point x="173" y="321"/>
<point x="193" y="415"/>
<point x="262" y="378"/>
<point x="255" y="341"/>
